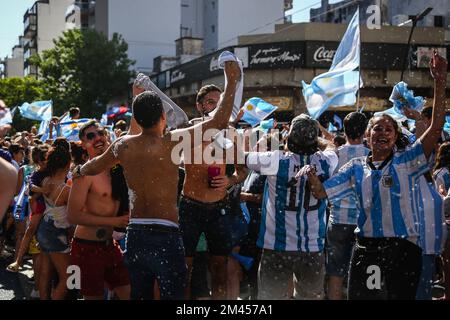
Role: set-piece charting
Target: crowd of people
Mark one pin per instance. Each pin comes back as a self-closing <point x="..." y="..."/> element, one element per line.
<point x="300" y="214"/>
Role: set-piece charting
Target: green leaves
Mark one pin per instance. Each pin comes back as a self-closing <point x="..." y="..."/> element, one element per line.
<point x="84" y="69"/>
<point x="15" y="91"/>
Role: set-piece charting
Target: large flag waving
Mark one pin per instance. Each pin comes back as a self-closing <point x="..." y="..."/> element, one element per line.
<point x="339" y="85"/>
<point x="37" y="110"/>
<point x="256" y="110"/>
<point x="71" y="129"/>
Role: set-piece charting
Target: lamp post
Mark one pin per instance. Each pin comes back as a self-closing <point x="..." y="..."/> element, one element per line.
<point x="414" y="21"/>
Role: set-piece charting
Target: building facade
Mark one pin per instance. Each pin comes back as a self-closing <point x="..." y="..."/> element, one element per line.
<point x="44" y="22"/>
<point x="81" y="15"/>
<point x="275" y="64"/>
<point x="13" y="66"/>
<point x="391" y="12"/>
<point x="150" y="27"/>
<point x="220" y="22"/>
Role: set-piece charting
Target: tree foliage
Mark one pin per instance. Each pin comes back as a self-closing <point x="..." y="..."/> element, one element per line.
<point x="15" y="91"/>
<point x="84" y="69"/>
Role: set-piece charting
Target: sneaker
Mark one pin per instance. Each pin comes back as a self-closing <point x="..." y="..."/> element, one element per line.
<point x="34" y="294"/>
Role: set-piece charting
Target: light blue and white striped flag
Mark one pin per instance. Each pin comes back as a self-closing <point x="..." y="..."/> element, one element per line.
<point x="6" y="116"/>
<point x="70" y="129"/>
<point x="339" y="85"/>
<point x="332" y="128"/>
<point x="37" y="110"/>
<point x="337" y="120"/>
<point x="256" y="110"/>
<point x="266" y="125"/>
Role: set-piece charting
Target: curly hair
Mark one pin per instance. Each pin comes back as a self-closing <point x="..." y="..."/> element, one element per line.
<point x="39" y="153"/>
<point x="443" y="156"/>
<point x="77" y="152"/>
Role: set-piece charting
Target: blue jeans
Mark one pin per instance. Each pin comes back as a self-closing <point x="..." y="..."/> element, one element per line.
<point x="155" y="252"/>
<point x="217" y="220"/>
<point x="50" y="238"/>
<point x="426" y="277"/>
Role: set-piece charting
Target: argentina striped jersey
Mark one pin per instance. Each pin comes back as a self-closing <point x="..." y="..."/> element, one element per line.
<point x="292" y="219"/>
<point x="344" y="210"/>
<point x="429" y="206"/>
<point x="386" y="197"/>
<point x="442" y="177"/>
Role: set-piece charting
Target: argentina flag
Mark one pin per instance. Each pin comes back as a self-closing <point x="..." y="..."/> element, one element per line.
<point x="266" y="125"/>
<point x="37" y="110"/>
<point x="339" y="85"/>
<point x="256" y="110"/>
<point x="70" y="129"/>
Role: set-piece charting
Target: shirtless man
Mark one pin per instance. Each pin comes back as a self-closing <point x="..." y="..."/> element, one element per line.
<point x="93" y="209"/>
<point x="206" y="207"/>
<point x="154" y="243"/>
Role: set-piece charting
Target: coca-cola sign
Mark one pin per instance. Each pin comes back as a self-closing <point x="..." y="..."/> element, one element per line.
<point x="320" y="54"/>
<point x="323" y="54"/>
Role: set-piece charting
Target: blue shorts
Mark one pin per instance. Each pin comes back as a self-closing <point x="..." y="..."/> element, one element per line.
<point x="52" y="239"/>
<point x="340" y="241"/>
<point x="155" y="252"/>
<point x="217" y="220"/>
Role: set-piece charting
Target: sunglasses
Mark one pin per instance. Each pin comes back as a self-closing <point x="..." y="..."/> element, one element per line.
<point x="92" y="135"/>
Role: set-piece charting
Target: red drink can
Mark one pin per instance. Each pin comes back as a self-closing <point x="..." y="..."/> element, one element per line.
<point x="212" y="172"/>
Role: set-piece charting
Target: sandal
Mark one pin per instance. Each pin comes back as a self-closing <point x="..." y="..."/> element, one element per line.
<point x="13" y="267"/>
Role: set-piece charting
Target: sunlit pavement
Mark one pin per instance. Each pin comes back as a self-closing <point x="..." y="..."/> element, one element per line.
<point x="14" y="286"/>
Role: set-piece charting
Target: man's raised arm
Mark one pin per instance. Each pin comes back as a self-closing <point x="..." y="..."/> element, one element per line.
<point x="222" y="116"/>
<point x="438" y="68"/>
<point x="101" y="163"/>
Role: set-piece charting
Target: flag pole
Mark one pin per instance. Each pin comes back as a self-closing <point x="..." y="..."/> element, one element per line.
<point x="359" y="69"/>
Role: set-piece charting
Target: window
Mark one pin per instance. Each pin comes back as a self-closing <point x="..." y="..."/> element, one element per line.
<point x="213" y="28"/>
<point x="438" y="21"/>
<point x="213" y="5"/>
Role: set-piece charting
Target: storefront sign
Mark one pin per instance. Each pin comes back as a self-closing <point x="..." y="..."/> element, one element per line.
<point x="276" y="55"/>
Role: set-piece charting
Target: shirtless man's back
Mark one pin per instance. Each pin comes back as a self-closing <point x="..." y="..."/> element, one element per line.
<point x="154" y="243"/>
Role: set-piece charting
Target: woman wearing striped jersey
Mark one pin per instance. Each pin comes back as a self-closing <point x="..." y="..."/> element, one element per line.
<point x="387" y="259"/>
<point x="441" y="173"/>
<point x="442" y="181"/>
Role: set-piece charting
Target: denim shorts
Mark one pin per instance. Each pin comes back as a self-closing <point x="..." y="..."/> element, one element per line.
<point x="218" y="222"/>
<point x="340" y="241"/>
<point x="52" y="239"/>
<point x="155" y="252"/>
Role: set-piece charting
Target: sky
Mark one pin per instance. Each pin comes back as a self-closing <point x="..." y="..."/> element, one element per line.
<point x="11" y="23"/>
<point x="12" y="11"/>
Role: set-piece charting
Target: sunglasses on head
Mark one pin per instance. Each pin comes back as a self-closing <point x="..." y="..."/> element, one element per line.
<point x="92" y="135"/>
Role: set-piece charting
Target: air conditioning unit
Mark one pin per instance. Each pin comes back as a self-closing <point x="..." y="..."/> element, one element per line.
<point x="400" y="18"/>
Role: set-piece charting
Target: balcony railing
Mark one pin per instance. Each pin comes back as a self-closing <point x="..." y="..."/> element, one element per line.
<point x="30" y="26"/>
<point x="30" y="44"/>
<point x="28" y="53"/>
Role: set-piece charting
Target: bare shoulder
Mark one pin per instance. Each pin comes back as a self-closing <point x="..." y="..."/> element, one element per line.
<point x="120" y="144"/>
<point x="8" y="174"/>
